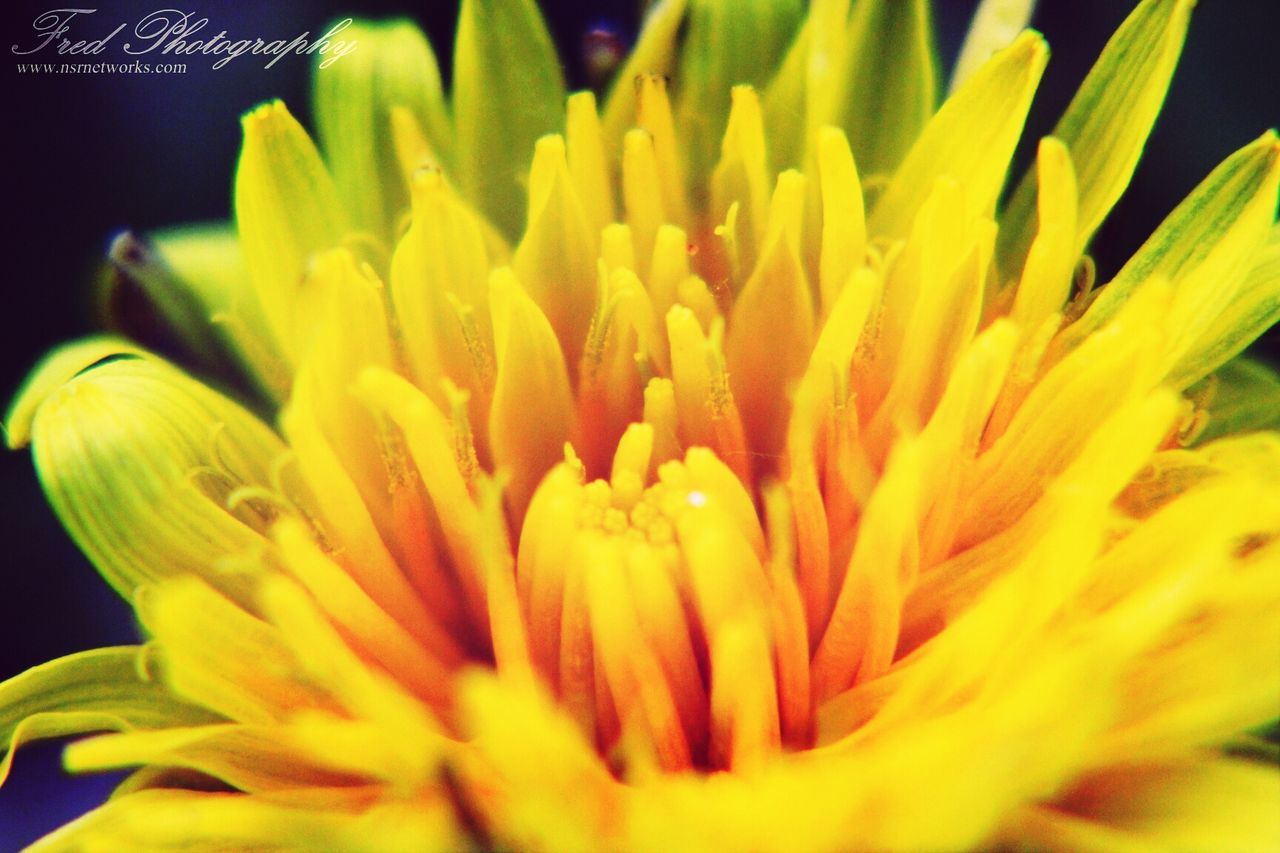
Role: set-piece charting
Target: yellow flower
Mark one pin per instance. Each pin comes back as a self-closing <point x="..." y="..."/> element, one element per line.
<point x="732" y="477"/>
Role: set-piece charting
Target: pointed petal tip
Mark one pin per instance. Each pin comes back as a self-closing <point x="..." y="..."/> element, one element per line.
<point x="255" y="118"/>
<point x="1032" y="43"/>
<point x="1029" y="49"/>
<point x="425" y="180"/>
<point x="53" y="372"/>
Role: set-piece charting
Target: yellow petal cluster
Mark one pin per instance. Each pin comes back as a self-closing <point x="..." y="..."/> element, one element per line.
<point x="723" y="468"/>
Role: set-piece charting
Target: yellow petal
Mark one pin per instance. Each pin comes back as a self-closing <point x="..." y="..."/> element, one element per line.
<point x="1035" y="451"/>
<point x="1253" y="310"/>
<point x="507" y="628"/>
<point x="516" y="728"/>
<point x="776" y="305"/>
<point x="941" y="323"/>
<point x="439" y="288"/>
<point x="532" y="404"/>
<point x="660" y="413"/>
<point x="631" y="669"/>
<point x="728" y="587"/>
<point x="1047" y="275"/>
<point x="788" y="624"/>
<point x="622" y="351"/>
<point x="249" y="758"/>
<point x="413" y="151"/>
<point x="1204" y="249"/>
<point x="588" y="160"/>
<point x="745" y="727"/>
<point x="287" y="209"/>
<point x="1107" y="124"/>
<point x="669" y="268"/>
<point x="213" y="652"/>
<point x="742" y="177"/>
<point x="542" y="556"/>
<point x="656" y="592"/>
<point x="350" y="525"/>
<point x="653" y="114"/>
<point x="641" y="194"/>
<point x="823" y="390"/>
<point x="707" y="411"/>
<point x="971" y="138"/>
<point x="995" y="25"/>
<point x="950" y="438"/>
<point x="1215" y="802"/>
<point x="342" y="328"/>
<point x="844" y="227"/>
<point x="862" y="635"/>
<point x="394" y="66"/>
<point x="323" y="657"/>
<point x="445" y="469"/>
<point x="616" y="248"/>
<point x="397" y="633"/>
<point x="54" y="370"/>
<point x="556" y="260"/>
<point x="725" y="44"/>
<point x="1248" y="311"/>
<point x="929" y="311"/>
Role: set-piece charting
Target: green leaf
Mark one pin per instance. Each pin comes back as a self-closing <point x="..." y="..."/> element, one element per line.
<point x="886" y="84"/>
<point x="205" y="260"/>
<point x="784" y="103"/>
<point x="1246" y="398"/>
<point x="99" y="690"/>
<point x="1209" y="241"/>
<point x="1107" y="123"/>
<point x="1251" y="310"/>
<point x="508" y="91"/>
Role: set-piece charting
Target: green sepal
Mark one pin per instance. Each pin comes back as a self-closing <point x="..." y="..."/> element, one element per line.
<point x="508" y="91"/>
<point x="392" y="66"/>
<point x="106" y="689"/>
<point x="1245" y="398"/>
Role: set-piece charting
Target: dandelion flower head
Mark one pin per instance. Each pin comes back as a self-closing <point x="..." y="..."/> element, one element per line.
<point x="731" y="464"/>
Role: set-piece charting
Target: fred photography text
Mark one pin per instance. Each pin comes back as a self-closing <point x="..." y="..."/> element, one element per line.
<point x="172" y="32"/>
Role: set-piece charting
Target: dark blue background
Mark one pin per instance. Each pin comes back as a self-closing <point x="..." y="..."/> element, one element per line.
<point x="88" y="155"/>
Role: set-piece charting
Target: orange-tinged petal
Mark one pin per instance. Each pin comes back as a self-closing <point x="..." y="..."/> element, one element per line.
<point x="556" y="260"/>
<point x="529" y="421"/>
<point x="776" y="304"/>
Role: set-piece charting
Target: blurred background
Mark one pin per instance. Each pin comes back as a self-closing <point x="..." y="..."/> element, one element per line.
<point x="91" y="154"/>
